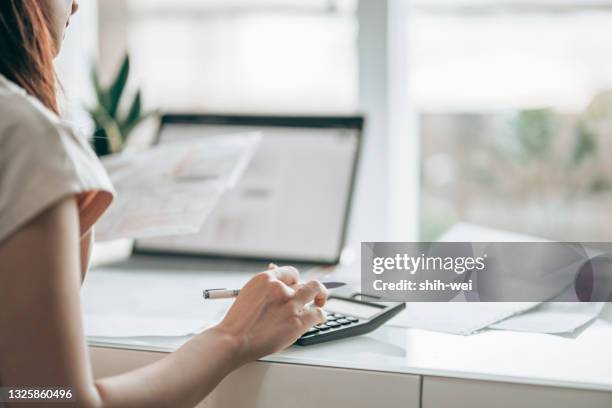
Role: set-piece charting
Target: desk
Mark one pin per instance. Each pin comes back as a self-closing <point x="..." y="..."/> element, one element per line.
<point x="399" y="367"/>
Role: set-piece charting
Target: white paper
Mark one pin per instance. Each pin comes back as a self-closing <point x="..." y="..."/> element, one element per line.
<point x="469" y="318"/>
<point x="462" y="317"/>
<point x="171" y="189"/>
<point x="553" y="318"/>
<point x="457" y="317"/>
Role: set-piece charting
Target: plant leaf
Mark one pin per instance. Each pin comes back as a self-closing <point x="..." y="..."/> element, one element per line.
<point x="585" y="144"/>
<point x="95" y="116"/>
<point x="118" y="86"/>
<point x="113" y="133"/>
<point x="127" y="130"/>
<point x="134" y="114"/>
<point x="535" y="129"/>
<point x="111" y="128"/>
<point x="102" y="94"/>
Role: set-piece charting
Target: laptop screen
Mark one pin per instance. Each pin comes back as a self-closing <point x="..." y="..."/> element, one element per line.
<point x="293" y="200"/>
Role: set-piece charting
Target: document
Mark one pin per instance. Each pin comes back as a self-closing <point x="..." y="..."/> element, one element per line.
<point x="171" y="189"/>
<point x="461" y="318"/>
<point x="555" y="317"/>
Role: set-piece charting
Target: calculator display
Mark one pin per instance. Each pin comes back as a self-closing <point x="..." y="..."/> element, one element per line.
<point x="360" y="310"/>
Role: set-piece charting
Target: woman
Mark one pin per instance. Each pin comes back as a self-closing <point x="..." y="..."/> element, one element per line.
<point x="52" y="191"/>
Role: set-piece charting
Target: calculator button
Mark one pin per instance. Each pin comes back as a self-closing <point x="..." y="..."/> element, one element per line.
<point x="322" y="327"/>
<point x="311" y="331"/>
<point x="352" y="319"/>
<point x="310" y="336"/>
<point x="338" y="316"/>
<point x="343" y="321"/>
<point x="331" y="318"/>
<point x="333" y="324"/>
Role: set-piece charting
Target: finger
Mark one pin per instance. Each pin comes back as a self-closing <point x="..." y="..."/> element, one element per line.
<point x="321" y="298"/>
<point x="287" y="274"/>
<point x="313" y="316"/>
<point x="310" y="291"/>
<point x="272" y="266"/>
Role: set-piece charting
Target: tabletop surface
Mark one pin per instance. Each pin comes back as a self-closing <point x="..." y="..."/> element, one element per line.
<point x="582" y="360"/>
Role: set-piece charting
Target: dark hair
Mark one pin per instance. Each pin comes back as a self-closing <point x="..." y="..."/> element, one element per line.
<point x="27" y="49"/>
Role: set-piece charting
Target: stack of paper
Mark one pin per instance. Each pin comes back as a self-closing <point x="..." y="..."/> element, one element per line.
<point x="468" y="318"/>
<point x="553" y="318"/>
<point x="172" y="188"/>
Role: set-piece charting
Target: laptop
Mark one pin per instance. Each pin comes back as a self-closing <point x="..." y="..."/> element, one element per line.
<point x="293" y="202"/>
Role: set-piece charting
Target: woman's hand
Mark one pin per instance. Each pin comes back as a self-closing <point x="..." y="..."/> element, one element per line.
<point x="272" y="312"/>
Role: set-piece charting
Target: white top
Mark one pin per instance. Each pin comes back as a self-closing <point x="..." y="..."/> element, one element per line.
<point x="43" y="160"/>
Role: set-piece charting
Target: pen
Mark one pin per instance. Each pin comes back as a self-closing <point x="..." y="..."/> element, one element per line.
<point x="211" y="294"/>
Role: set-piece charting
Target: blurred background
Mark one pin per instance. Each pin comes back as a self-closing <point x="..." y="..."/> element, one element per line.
<point x="514" y="105"/>
<point x="495" y="112"/>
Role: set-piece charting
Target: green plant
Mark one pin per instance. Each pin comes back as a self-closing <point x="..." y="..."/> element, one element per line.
<point x="585" y="143"/>
<point x="540" y="151"/>
<point x="113" y="123"/>
<point x="534" y="131"/>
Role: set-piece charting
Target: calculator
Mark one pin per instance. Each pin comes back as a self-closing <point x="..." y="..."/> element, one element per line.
<point x="348" y="317"/>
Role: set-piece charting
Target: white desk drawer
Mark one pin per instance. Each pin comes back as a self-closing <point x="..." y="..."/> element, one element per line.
<point x="272" y="385"/>
<point x="440" y="392"/>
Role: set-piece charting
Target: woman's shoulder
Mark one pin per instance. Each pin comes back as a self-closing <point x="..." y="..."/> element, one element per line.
<point x="23" y="119"/>
<point x="28" y="128"/>
<point x="43" y="159"/>
<point x="35" y="138"/>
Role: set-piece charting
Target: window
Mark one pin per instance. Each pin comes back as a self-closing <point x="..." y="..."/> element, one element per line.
<point x="256" y="56"/>
<point x="515" y="115"/>
<point x="245" y="55"/>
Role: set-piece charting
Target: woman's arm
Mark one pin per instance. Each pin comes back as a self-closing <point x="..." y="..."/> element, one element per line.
<point x="86" y="244"/>
<point x="41" y="332"/>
